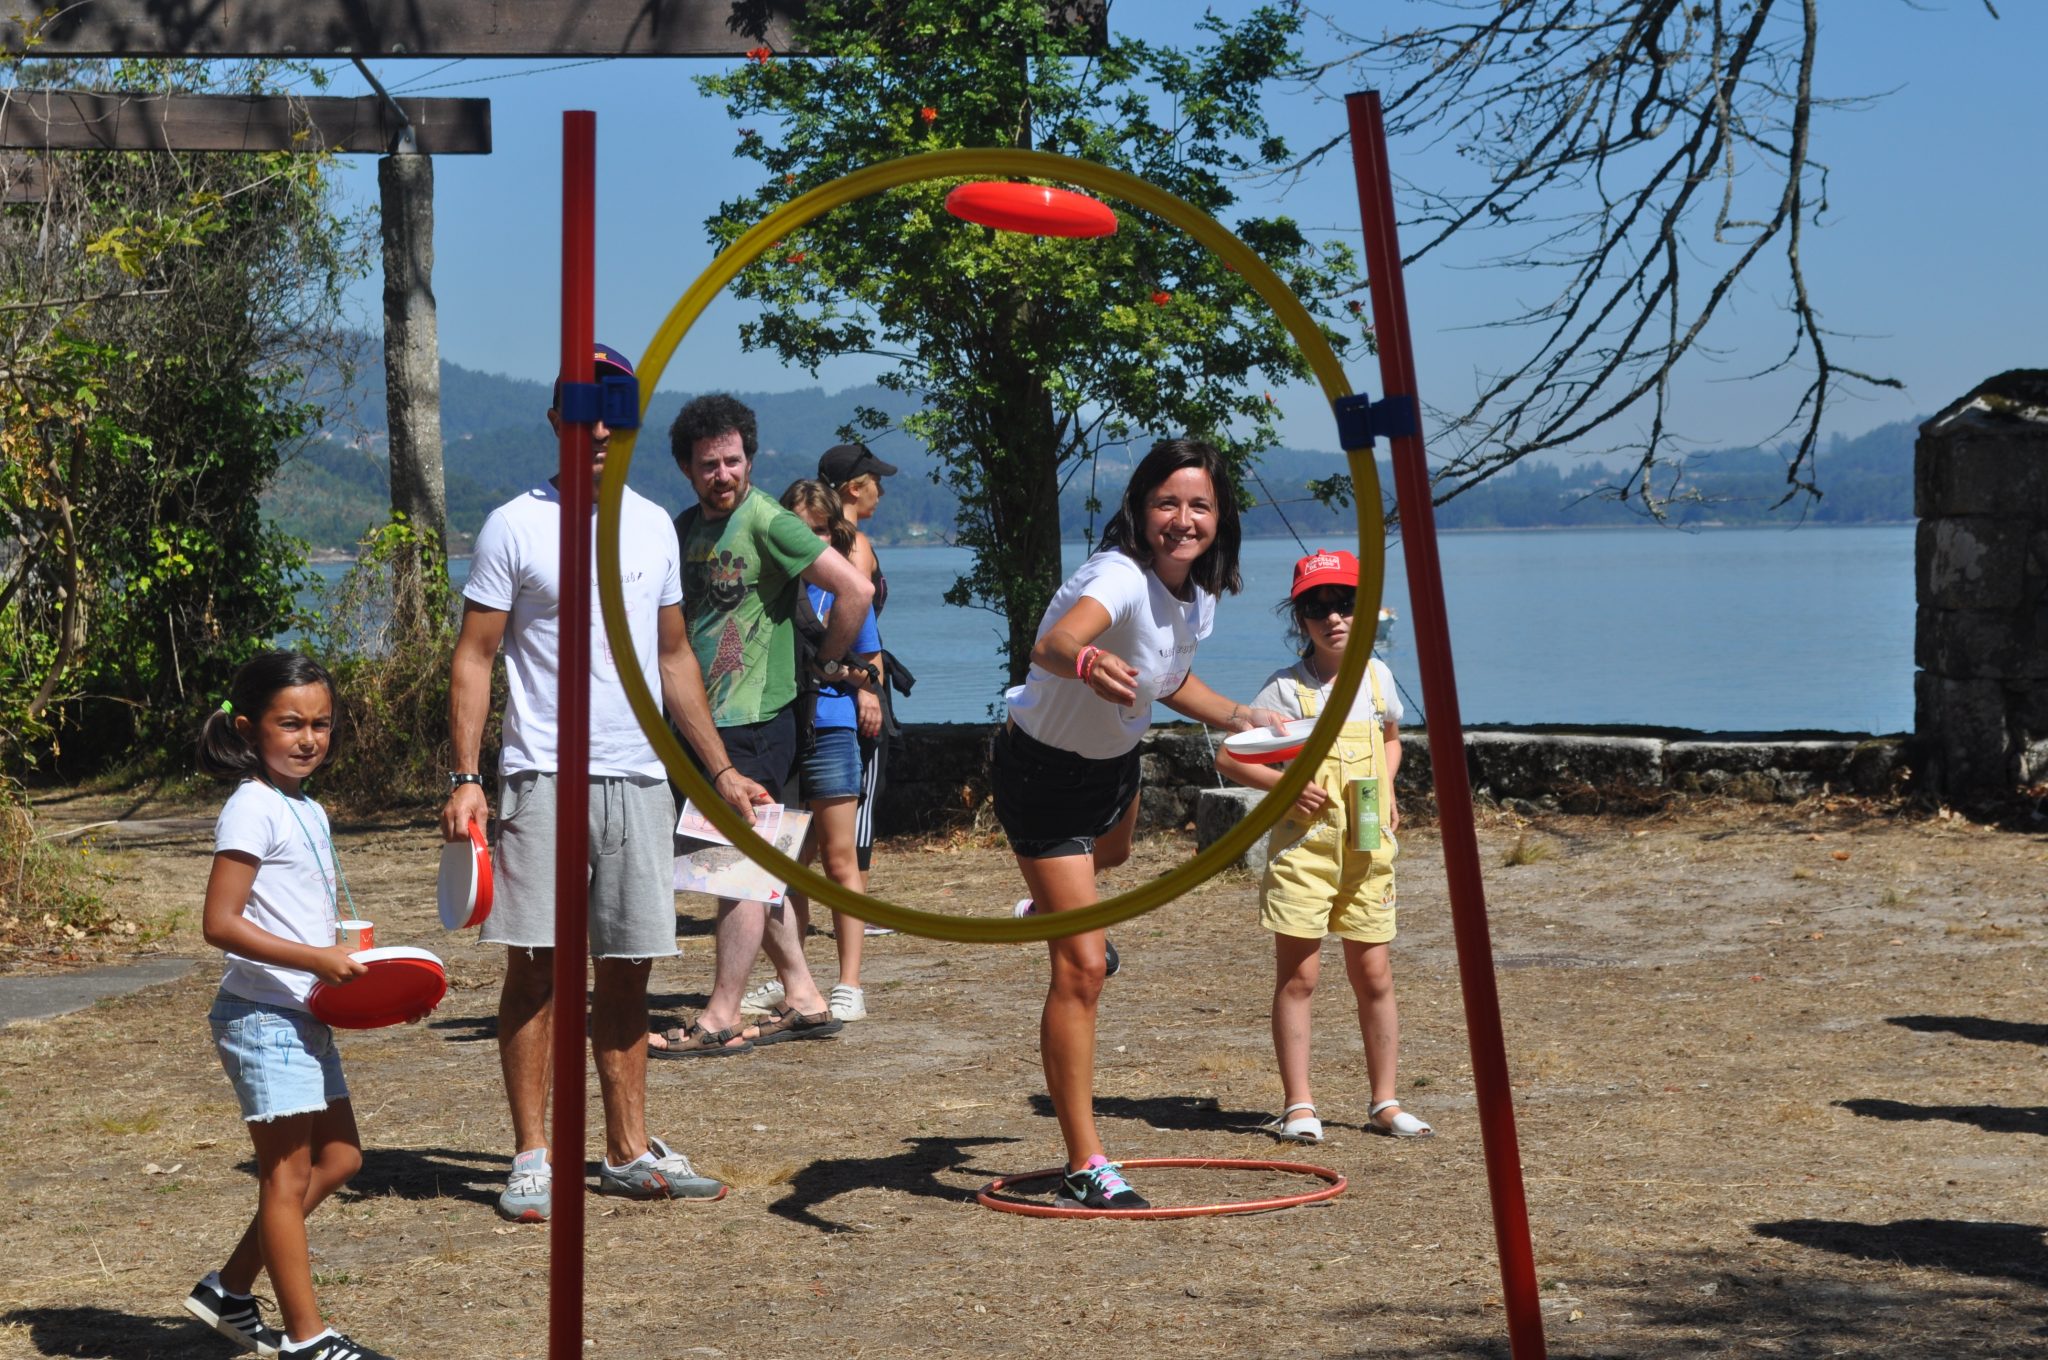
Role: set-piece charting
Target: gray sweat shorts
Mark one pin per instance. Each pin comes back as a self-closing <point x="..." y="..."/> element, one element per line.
<point x="632" y="866"/>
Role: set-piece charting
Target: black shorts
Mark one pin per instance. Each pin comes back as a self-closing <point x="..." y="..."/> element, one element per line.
<point x="1052" y="802"/>
<point x="764" y="752"/>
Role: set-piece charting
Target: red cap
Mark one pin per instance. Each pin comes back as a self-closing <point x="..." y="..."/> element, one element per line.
<point x="1321" y="568"/>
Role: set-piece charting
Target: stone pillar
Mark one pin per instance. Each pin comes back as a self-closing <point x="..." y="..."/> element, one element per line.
<point x="412" y="346"/>
<point x="1980" y="489"/>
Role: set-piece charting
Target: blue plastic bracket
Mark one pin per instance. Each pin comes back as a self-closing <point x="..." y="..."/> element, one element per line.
<point x="613" y="399"/>
<point x="1360" y="419"/>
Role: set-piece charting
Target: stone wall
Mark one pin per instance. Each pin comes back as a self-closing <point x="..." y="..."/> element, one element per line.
<point x="938" y="774"/>
<point x="1980" y="488"/>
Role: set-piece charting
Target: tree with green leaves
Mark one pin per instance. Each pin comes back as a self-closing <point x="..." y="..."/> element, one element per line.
<point x="1031" y="356"/>
<point x="153" y="309"/>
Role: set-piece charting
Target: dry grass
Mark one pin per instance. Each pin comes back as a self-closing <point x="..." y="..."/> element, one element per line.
<point x="1744" y="1117"/>
<point x="1529" y="849"/>
<point x="126" y="1125"/>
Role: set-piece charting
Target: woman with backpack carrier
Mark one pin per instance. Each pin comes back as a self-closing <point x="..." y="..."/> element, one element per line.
<point x="830" y="769"/>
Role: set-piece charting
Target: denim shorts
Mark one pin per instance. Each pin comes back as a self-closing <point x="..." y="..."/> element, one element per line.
<point x="281" y="1061"/>
<point x="832" y="769"/>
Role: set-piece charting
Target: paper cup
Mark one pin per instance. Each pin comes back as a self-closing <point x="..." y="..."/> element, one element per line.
<point x="354" y="935"/>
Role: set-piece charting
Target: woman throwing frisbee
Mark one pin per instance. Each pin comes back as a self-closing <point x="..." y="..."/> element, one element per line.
<point x="1120" y="634"/>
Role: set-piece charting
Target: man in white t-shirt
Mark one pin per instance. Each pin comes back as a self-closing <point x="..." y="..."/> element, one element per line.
<point x="513" y="599"/>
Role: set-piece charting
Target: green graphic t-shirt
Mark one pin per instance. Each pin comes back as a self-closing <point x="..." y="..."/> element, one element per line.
<point x="740" y="577"/>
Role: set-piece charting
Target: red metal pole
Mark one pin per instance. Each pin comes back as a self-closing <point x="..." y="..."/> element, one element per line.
<point x="572" y="777"/>
<point x="1446" y="739"/>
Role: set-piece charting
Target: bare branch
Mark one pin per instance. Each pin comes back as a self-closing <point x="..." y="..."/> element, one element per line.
<point x="1626" y="145"/>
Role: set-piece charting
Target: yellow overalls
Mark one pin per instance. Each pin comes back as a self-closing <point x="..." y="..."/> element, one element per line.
<point x="1316" y="884"/>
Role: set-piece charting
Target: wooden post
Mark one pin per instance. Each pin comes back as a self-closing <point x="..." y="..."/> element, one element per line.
<point x="412" y="347"/>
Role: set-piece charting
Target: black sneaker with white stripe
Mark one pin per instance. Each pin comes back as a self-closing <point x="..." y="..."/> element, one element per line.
<point x="235" y="1318"/>
<point x="332" y="1346"/>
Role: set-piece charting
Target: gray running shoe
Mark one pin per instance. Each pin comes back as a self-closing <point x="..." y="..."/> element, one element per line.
<point x="237" y="1319"/>
<point x="660" y="1173"/>
<point x="529" y="1192"/>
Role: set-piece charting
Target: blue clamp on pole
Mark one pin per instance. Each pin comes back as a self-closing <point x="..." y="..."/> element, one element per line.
<point x="1360" y="419"/>
<point x="613" y="399"/>
<point x="619" y="401"/>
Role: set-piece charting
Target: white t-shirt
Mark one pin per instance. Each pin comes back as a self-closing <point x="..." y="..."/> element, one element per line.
<point x="293" y="896"/>
<point x="1148" y="628"/>
<point x="517" y="568"/>
<point x="1279" y="693"/>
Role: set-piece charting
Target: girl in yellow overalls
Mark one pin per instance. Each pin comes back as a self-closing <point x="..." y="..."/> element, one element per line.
<point x="1330" y="864"/>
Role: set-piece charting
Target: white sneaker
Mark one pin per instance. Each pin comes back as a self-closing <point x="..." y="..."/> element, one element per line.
<point x="849" y="1003"/>
<point x="1023" y="907"/>
<point x="762" y="1000"/>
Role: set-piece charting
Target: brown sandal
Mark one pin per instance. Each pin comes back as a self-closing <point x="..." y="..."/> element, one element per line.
<point x="695" y="1041"/>
<point x="789" y="1023"/>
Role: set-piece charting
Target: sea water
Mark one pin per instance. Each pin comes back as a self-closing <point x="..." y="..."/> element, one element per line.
<point x="1748" y="630"/>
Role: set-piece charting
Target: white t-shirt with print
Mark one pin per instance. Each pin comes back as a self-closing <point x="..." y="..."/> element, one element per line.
<point x="293" y="896"/>
<point x="517" y="568"/>
<point x="1279" y="693"/>
<point x="1148" y="628"/>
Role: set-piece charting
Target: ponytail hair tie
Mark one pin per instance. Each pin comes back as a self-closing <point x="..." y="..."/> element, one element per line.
<point x="227" y="707"/>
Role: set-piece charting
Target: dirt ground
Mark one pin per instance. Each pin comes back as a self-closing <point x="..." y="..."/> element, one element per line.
<point x="1778" y="1078"/>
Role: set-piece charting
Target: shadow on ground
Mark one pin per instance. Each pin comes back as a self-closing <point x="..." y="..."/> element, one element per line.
<point x="1974" y="1027"/>
<point x="1990" y="1251"/>
<point x="1200" y="1113"/>
<point x="1990" y="1118"/>
<point x="102" y="1334"/>
<point x="422" y="1173"/>
<point x="1717" y="1303"/>
<point x="914" y="1172"/>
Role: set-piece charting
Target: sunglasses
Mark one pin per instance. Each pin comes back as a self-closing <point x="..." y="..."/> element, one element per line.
<point x="1319" y="603"/>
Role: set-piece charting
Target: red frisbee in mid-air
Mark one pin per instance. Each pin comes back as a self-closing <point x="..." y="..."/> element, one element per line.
<point x="402" y="984"/>
<point x="1038" y="209"/>
<point x="1269" y="745"/>
<point x="465" y="886"/>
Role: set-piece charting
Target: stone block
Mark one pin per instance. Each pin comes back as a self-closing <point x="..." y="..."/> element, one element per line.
<point x="1977" y="644"/>
<point x="2027" y="710"/>
<point x="1180" y="754"/>
<point x="1964" y="726"/>
<point x="1976" y="563"/>
<point x="1876" y="766"/>
<point x="1529" y="764"/>
<point x="937" y="778"/>
<point x="1981" y="467"/>
<point x="1218" y="810"/>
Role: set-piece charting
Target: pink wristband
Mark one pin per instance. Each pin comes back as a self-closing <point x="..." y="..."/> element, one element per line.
<point x="1084" y="662"/>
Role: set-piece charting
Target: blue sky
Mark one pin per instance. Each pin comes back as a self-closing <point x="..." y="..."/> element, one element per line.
<point x="1930" y="261"/>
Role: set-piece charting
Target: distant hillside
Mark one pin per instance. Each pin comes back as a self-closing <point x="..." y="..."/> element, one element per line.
<point x="496" y="443"/>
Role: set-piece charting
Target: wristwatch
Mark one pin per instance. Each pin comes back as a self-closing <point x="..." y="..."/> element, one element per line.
<point x="457" y="778"/>
<point x="834" y="671"/>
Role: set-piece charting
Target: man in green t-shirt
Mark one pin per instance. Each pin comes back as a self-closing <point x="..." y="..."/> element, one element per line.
<point x="744" y="560"/>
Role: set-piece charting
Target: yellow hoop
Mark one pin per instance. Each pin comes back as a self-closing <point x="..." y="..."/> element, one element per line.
<point x="1321" y="360"/>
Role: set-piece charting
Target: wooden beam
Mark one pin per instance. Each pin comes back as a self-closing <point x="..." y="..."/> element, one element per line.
<point x="433" y="28"/>
<point x="404" y="28"/>
<point x="84" y="120"/>
<point x="23" y="178"/>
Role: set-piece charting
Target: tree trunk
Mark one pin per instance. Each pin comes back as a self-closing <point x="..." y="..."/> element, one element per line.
<point x="412" y="348"/>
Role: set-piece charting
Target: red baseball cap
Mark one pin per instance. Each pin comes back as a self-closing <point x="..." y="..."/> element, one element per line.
<point x="1323" y="568"/>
